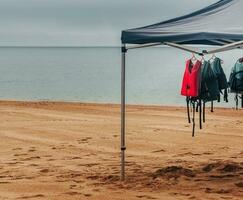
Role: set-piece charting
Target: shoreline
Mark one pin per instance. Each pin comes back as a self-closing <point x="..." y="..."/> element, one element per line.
<point x="60" y="102"/>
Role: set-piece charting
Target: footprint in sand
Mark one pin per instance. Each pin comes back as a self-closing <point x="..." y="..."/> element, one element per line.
<point x="17" y="149"/>
<point x="89" y="164"/>
<point x="75" y="158"/>
<point x="84" y="140"/>
<point x="189" y="154"/>
<point x="224" y="191"/>
<point x="47" y="156"/>
<point x="73" y="193"/>
<point x="31" y="158"/>
<point x="72" y="186"/>
<point x="61" y="146"/>
<point x="87" y="195"/>
<point x="32" y="149"/>
<point x="208" y="190"/>
<point x="78" y="181"/>
<point x="33" y="165"/>
<point x="221" y="191"/>
<point x="240" y="184"/>
<point x="44" y="170"/>
<point x="4" y="182"/>
<point x="158" y="151"/>
<point x="238" y="122"/>
<point x="227" y="176"/>
<point x="32" y="197"/>
<point x="234" y="157"/>
<point x="224" y="197"/>
<point x="241" y="153"/>
<point x="174" y="193"/>
<point x="145" y="197"/>
<point x="51" y="159"/>
<point x="207" y="153"/>
<point x="20" y="154"/>
<point x="192" y="197"/>
<point x="185" y="194"/>
<point x="225" y="148"/>
<point x="14" y="163"/>
<point x="157" y="130"/>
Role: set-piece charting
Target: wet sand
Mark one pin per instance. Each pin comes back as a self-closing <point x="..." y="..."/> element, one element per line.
<point x="70" y="151"/>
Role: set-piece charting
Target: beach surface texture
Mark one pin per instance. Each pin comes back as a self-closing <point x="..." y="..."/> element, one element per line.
<point x="71" y="151"/>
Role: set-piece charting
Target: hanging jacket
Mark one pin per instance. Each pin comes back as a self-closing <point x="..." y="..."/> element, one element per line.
<point x="191" y="79"/>
<point x="209" y="83"/>
<point x="236" y="78"/>
<point x="222" y="80"/>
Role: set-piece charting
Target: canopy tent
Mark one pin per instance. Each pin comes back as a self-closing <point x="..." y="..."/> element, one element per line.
<point x="219" y="24"/>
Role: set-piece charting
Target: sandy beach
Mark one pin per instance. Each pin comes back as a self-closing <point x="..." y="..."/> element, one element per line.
<point x="70" y="151"/>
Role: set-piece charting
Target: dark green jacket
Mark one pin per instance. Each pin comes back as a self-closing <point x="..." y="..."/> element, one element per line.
<point x="219" y="72"/>
<point x="236" y="78"/>
<point x="209" y="83"/>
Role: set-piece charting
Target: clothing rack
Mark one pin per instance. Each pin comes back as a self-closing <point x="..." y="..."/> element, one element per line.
<point x="227" y="47"/>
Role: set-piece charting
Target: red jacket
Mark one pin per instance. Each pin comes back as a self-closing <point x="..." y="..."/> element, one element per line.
<point x="191" y="79"/>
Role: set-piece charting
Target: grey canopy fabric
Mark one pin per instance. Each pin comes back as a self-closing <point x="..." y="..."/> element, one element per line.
<point x="217" y="24"/>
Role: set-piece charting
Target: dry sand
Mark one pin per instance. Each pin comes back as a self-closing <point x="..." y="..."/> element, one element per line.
<point x="71" y="151"/>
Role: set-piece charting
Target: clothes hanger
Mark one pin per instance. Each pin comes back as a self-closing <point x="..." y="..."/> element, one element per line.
<point x="193" y="58"/>
<point x="219" y="59"/>
<point x="202" y="60"/>
<point x="212" y="58"/>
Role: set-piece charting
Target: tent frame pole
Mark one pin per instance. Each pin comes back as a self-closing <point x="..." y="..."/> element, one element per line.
<point x="227" y="47"/>
<point x="144" y="45"/>
<point x="241" y="100"/>
<point x="178" y="46"/>
<point x="123" y="111"/>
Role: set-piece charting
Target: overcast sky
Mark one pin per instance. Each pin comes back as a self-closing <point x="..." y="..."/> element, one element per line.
<point x="82" y="22"/>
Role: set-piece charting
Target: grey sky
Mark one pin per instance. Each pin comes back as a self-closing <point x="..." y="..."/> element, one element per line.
<point x="83" y="22"/>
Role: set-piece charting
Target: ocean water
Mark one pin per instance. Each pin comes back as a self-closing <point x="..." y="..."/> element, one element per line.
<point x="153" y="75"/>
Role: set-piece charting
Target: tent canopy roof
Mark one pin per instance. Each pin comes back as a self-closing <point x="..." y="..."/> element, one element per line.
<point x="218" y="24"/>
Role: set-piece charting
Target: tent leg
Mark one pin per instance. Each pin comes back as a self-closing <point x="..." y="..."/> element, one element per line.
<point x="242" y="101"/>
<point x="123" y="104"/>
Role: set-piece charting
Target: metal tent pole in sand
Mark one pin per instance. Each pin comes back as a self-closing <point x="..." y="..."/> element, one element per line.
<point x="123" y="107"/>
